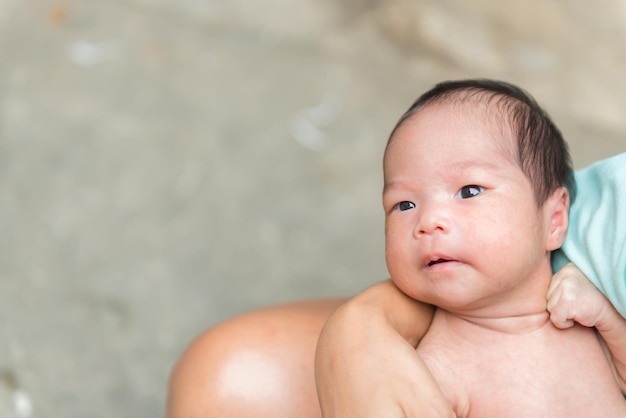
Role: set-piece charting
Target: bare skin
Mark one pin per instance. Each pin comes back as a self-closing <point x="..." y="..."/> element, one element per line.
<point x="572" y="300"/>
<point x="526" y="374"/>
<point x="350" y="358"/>
<point x="256" y="365"/>
<point x="366" y="363"/>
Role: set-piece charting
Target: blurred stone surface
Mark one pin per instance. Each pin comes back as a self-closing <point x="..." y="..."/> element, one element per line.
<point x="165" y="165"/>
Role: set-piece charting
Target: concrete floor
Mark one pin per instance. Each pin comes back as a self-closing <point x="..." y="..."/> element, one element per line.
<point x="165" y="165"/>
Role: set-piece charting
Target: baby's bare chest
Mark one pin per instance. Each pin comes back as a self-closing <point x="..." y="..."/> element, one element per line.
<point x="545" y="373"/>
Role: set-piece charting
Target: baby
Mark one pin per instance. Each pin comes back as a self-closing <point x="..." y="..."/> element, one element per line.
<point x="476" y="199"/>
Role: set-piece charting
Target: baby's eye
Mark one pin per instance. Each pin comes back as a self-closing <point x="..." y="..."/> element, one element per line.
<point x="406" y="205"/>
<point x="469" y="191"/>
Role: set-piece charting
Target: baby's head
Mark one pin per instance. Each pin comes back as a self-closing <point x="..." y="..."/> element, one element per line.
<point x="474" y="189"/>
<point x="542" y="153"/>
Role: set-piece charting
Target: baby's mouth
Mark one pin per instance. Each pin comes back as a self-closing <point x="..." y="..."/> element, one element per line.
<point x="438" y="261"/>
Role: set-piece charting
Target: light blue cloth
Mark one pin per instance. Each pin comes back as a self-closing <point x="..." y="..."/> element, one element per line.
<point x="596" y="241"/>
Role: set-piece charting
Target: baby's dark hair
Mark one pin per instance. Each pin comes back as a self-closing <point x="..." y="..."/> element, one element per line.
<point x="542" y="152"/>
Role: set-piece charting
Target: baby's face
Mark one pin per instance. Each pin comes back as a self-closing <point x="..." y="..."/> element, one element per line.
<point x="463" y="230"/>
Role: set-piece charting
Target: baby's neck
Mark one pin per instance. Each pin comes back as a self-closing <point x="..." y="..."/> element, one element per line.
<point x="519" y="324"/>
<point x="521" y="311"/>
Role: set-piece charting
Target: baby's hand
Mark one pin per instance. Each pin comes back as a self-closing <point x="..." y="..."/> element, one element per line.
<point x="572" y="297"/>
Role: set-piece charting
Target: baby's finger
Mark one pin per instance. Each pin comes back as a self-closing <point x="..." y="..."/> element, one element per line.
<point x="560" y="309"/>
<point x="557" y="279"/>
<point x="554" y="284"/>
<point x="555" y="294"/>
<point x="560" y="322"/>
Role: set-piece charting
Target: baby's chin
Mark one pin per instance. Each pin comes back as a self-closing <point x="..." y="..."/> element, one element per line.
<point x="445" y="283"/>
<point x="453" y="297"/>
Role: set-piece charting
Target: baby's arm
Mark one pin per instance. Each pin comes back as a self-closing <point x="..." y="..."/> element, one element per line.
<point x="571" y="297"/>
<point x="366" y="364"/>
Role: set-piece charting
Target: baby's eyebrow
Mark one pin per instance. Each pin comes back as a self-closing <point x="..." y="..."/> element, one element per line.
<point x="473" y="164"/>
<point x="388" y="185"/>
<point x="393" y="187"/>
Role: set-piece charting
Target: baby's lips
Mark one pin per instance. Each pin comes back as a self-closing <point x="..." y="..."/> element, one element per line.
<point x="438" y="261"/>
<point x="435" y="259"/>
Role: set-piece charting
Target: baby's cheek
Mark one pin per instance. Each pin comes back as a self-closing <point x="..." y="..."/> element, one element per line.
<point x="405" y="284"/>
<point x="395" y="250"/>
<point x="399" y="267"/>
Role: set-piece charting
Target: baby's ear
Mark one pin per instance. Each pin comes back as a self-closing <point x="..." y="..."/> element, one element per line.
<point x="556" y="210"/>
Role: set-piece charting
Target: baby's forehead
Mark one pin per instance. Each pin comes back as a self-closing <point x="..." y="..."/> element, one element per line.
<point x="480" y="111"/>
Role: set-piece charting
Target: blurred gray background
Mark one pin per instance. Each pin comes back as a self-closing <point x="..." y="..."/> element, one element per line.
<point x="167" y="164"/>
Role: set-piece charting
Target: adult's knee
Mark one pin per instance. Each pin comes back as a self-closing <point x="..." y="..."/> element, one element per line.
<point x="256" y="365"/>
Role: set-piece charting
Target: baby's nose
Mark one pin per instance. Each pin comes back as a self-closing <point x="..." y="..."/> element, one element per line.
<point x="431" y="221"/>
